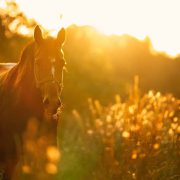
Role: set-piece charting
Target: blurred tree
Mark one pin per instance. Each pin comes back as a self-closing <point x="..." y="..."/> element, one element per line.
<point x="2" y="31"/>
<point x="14" y="19"/>
<point x="100" y="66"/>
<point x="14" y="28"/>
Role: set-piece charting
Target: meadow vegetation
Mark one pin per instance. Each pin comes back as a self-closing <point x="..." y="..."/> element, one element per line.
<point x="137" y="138"/>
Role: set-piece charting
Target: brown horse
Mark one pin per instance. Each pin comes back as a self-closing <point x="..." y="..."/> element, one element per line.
<point x="31" y="88"/>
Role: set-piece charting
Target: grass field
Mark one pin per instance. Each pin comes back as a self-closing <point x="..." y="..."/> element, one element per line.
<point x="133" y="139"/>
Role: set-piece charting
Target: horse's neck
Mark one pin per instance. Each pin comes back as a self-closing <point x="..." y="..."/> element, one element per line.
<point x="25" y="68"/>
<point x="26" y="81"/>
<point x="18" y="90"/>
<point x="20" y="78"/>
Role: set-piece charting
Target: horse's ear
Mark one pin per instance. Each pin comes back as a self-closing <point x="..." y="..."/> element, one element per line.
<point x="38" y="35"/>
<point x="61" y="36"/>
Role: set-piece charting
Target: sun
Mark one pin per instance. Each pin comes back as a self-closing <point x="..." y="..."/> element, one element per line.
<point x="157" y="19"/>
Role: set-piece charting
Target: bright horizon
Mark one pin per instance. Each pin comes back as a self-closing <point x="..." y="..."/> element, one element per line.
<point x="157" y="19"/>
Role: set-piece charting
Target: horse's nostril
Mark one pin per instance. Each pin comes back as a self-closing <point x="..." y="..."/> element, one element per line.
<point x="46" y="101"/>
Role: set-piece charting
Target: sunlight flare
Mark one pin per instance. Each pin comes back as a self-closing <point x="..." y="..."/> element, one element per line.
<point x="140" y="18"/>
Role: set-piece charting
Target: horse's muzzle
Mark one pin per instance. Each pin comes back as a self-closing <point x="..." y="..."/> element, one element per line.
<point x="51" y="107"/>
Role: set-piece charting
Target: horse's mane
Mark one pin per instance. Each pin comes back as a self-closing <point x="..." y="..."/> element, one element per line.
<point x="18" y="74"/>
<point x="28" y="52"/>
<point x="18" y="83"/>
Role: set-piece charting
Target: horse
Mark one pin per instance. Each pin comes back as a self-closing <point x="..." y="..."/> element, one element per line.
<point x="30" y="88"/>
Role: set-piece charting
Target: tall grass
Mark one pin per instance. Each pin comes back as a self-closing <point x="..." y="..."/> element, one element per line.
<point x="138" y="138"/>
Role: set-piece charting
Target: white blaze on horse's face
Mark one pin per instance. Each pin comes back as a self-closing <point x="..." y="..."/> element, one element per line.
<point x="53" y="60"/>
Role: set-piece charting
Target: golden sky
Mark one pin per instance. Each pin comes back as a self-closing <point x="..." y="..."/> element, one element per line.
<point x="158" y="19"/>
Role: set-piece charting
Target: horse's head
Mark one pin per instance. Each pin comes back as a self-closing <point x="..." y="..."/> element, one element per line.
<point x="48" y="69"/>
